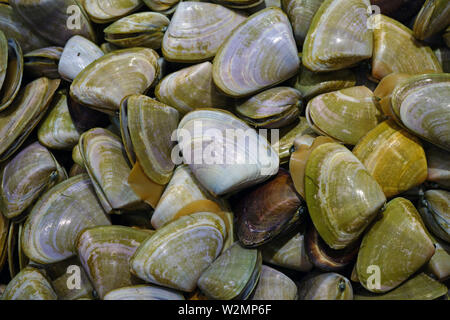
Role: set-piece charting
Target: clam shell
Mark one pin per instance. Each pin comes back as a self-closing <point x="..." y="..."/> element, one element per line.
<point x="301" y="14"/>
<point x="197" y="30"/>
<point x="57" y="219"/>
<point x="342" y="197"/>
<point x="288" y="251"/>
<point x="105" y="254"/>
<point x="143" y="292"/>
<point x="18" y="121"/>
<point x="420" y="287"/>
<point x="325" y="258"/>
<point x="273" y="108"/>
<point x="144" y="29"/>
<point x="438" y="166"/>
<point x="77" y="54"/>
<point x="260" y="53"/>
<point x="233" y="275"/>
<point x="393" y="157"/>
<point x="421" y="104"/>
<point x="103" y="84"/>
<point x="182" y="190"/>
<point x="100" y="11"/>
<point x="190" y="88"/>
<point x="396" y="50"/>
<point x="104" y="158"/>
<point x="57" y="131"/>
<point x="338" y="37"/>
<point x="274" y="285"/>
<point x="436" y="213"/>
<point x="15" y="28"/>
<point x="384" y="90"/>
<point x="3" y="57"/>
<point x="4" y="228"/>
<point x="178" y="253"/>
<point x="311" y="84"/>
<point x="326" y="286"/>
<point x="29" y="284"/>
<point x="76" y="156"/>
<point x="244" y="165"/>
<point x="398" y="244"/>
<point x="345" y="115"/>
<point x="43" y="62"/>
<point x="163" y="6"/>
<point x="37" y="12"/>
<point x="241" y="4"/>
<point x="439" y="264"/>
<point x="13" y="76"/>
<point x="26" y="176"/>
<point x="140" y="115"/>
<point x="432" y="18"/>
<point x="267" y="211"/>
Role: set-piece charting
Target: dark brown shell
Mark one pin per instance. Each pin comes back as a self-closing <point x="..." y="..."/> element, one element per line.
<point x="324" y="257"/>
<point x="268" y="210"/>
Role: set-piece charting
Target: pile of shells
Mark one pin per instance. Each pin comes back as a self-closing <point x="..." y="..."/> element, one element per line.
<point x="251" y="149"/>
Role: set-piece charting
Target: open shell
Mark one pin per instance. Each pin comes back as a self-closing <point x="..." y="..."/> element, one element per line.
<point x="432" y="18"/>
<point x="13" y="73"/>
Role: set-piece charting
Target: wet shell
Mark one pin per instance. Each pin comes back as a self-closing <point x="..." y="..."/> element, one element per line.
<point x="233" y="275"/>
<point x="77" y="54"/>
<point x="345" y="115"/>
<point x="396" y="50"/>
<point x="29" y="284"/>
<point x="326" y="286"/>
<point x="438" y="166"/>
<point x="145" y="29"/>
<point x="163" y="6"/>
<point x="233" y="165"/>
<point x="267" y="211"/>
<point x="342" y="197"/>
<point x="143" y="292"/>
<point x="433" y="18"/>
<point x="57" y="130"/>
<point x="105" y="254"/>
<point x="421" y="104"/>
<point x="104" y="158"/>
<point x="190" y="88"/>
<point x="398" y="244"/>
<point x="26" y="176"/>
<point x="273" y="108"/>
<point x="393" y="157"/>
<point x="311" y="84"/>
<point x="338" y="37"/>
<point x="260" y="53"/>
<point x="288" y="251"/>
<point x="100" y="11"/>
<point x="57" y="219"/>
<point x="178" y="253"/>
<point x="13" y="73"/>
<point x="197" y="30"/>
<point x="103" y="84"/>
<point x="15" y="28"/>
<point x="182" y="190"/>
<point x="18" y="121"/>
<point x="301" y="14"/>
<point x="37" y="12"/>
<point x="435" y="212"/>
<point x="43" y="62"/>
<point x="151" y="147"/>
<point x="420" y="287"/>
<point x="274" y="285"/>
